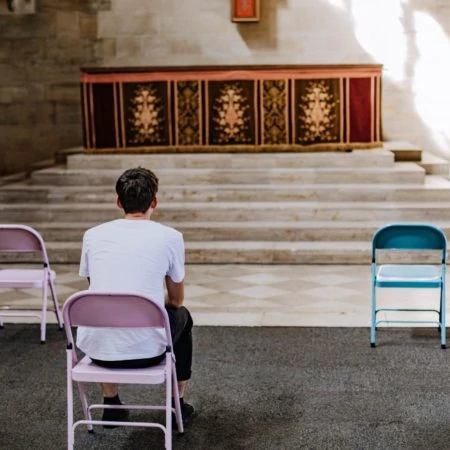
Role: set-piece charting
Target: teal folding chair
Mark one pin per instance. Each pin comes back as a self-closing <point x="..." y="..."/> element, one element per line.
<point x="409" y="238"/>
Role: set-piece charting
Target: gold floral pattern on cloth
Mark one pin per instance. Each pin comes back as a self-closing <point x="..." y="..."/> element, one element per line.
<point x="317" y="111"/>
<point x="188" y="110"/>
<point x="231" y="115"/>
<point x="146" y="115"/>
<point x="274" y="110"/>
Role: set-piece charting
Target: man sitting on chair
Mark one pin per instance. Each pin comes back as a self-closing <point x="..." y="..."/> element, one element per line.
<point x="136" y="254"/>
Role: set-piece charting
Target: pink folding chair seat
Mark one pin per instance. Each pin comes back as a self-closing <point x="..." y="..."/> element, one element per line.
<point x="24" y="278"/>
<point x="95" y="309"/>
<point x="87" y="371"/>
<point x="24" y="239"/>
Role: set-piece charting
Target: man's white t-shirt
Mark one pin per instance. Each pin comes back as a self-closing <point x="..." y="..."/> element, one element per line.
<point x="129" y="256"/>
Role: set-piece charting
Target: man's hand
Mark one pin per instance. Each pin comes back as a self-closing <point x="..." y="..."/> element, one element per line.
<point x="175" y="293"/>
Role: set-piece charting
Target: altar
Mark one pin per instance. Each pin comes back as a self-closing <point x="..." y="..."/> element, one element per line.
<point x="231" y="108"/>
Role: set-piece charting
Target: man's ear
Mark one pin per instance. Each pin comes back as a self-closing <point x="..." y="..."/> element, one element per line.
<point x="154" y="203"/>
<point x="119" y="205"/>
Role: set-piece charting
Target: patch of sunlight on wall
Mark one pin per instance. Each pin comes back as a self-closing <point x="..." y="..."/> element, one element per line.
<point x="379" y="30"/>
<point x="432" y="74"/>
<point x="337" y="4"/>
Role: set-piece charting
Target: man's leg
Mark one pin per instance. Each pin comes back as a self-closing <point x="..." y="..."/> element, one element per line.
<point x="110" y="389"/>
<point x="181" y="329"/>
<point x="111" y="397"/>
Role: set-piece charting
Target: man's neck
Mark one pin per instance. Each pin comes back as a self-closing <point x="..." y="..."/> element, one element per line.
<point x="139" y="216"/>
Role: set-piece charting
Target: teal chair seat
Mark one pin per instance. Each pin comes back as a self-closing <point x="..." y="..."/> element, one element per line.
<point x="408" y="276"/>
<point x="413" y="240"/>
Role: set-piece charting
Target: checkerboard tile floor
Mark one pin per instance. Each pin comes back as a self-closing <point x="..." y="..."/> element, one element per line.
<point x="259" y="295"/>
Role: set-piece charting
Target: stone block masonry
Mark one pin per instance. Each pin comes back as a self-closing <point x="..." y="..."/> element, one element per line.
<point x="40" y="60"/>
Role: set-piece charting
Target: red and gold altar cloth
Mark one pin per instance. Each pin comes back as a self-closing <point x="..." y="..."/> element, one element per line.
<point x="243" y="108"/>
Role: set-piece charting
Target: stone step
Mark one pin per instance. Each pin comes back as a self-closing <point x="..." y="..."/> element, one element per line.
<point x="403" y="151"/>
<point x="232" y="211"/>
<point x="358" y="158"/>
<point x="6" y="180"/>
<point x="435" y="188"/>
<point x="256" y="252"/>
<point x="241" y="231"/>
<point x="274" y="208"/>
<point x="401" y="173"/>
<point x="295" y="253"/>
<point x="434" y="165"/>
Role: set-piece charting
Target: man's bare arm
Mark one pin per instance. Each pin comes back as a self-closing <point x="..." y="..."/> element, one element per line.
<point x="175" y="293"/>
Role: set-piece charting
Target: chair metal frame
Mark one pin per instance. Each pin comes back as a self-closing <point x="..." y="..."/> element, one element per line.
<point x="18" y="238"/>
<point x="123" y="310"/>
<point x="409" y="237"/>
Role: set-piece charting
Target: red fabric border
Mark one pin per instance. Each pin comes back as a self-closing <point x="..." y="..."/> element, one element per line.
<point x="360" y="110"/>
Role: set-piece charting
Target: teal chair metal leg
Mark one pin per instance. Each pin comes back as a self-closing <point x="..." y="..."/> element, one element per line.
<point x="373" y="328"/>
<point x="442" y="320"/>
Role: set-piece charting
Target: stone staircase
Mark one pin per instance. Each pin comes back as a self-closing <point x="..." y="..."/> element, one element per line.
<point x="280" y="208"/>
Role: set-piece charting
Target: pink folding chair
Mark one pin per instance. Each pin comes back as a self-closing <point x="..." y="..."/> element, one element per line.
<point x="95" y="309"/>
<point x="24" y="239"/>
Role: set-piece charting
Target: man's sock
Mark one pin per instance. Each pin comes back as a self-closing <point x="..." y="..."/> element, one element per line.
<point x="187" y="411"/>
<point x="112" y="400"/>
<point x="115" y="415"/>
<point x="181" y="402"/>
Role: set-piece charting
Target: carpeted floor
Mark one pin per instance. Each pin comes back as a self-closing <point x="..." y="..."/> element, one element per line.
<point x="253" y="388"/>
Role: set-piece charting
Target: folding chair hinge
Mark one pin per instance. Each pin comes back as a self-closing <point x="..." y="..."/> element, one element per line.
<point x="168" y="348"/>
<point x="45" y="265"/>
<point x="69" y="346"/>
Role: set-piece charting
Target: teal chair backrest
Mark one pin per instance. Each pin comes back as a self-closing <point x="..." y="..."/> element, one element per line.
<point x="406" y="236"/>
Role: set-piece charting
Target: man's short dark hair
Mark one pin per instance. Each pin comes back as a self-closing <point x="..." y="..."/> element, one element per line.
<point x="136" y="189"/>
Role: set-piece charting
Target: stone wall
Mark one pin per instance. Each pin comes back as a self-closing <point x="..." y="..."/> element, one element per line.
<point x="40" y="57"/>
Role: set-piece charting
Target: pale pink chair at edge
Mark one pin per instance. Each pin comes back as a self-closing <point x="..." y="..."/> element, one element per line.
<point x="16" y="238"/>
<point x="95" y="309"/>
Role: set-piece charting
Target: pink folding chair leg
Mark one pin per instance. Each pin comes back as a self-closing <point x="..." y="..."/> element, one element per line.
<point x="168" y="431"/>
<point x="56" y="304"/>
<point x="176" y="395"/>
<point x="70" y="431"/>
<point x="84" y="404"/>
<point x="44" y="312"/>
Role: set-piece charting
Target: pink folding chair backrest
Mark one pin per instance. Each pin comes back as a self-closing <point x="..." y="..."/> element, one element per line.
<point x="21" y="238"/>
<point x="103" y="309"/>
